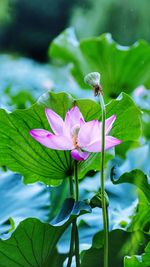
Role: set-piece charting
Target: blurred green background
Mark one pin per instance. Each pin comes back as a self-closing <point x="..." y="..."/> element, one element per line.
<point x="28" y="27"/>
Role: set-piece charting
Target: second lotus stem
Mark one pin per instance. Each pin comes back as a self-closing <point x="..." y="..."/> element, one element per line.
<point x="102" y="181"/>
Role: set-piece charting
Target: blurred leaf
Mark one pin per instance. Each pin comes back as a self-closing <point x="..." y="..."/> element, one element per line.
<point x="19" y="75"/>
<point x="20" y="100"/>
<point x="122" y="68"/>
<point x="117" y="246"/>
<point x="124" y="147"/>
<point x="24" y="80"/>
<point x="96" y="200"/>
<point x="57" y="197"/>
<point x="146" y="124"/>
<point x="70" y="207"/>
<point x="135" y="161"/>
<point x="39" y="239"/>
<point x="12" y="225"/>
<point x="139" y="261"/>
<point x="21" y="153"/>
<point x="21" y="201"/>
<point x="136" y="177"/>
<point x="57" y="259"/>
<point x="140" y="219"/>
<point x="142" y="99"/>
<point x="94" y="161"/>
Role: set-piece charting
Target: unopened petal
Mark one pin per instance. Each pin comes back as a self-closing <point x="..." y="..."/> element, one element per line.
<point x="55" y="121"/>
<point x="79" y="155"/>
<point x="109" y="123"/>
<point x="89" y="132"/>
<point x="73" y="117"/>
<point x="49" y="140"/>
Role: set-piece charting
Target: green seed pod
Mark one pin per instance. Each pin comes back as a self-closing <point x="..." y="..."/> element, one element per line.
<point x="92" y="79"/>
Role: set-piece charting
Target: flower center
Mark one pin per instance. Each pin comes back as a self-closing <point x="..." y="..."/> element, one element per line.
<point x="74" y="133"/>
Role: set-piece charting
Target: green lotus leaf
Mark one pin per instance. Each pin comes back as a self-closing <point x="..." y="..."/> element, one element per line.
<point x="122" y="68"/>
<point x="121" y="243"/>
<point x="33" y="243"/>
<point x="138" y="260"/>
<point x="22" y="154"/>
<point x="135" y="177"/>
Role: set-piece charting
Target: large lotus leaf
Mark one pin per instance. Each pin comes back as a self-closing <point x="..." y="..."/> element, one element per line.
<point x="122" y="68"/>
<point x="57" y="259"/>
<point x="136" y="177"/>
<point x="142" y="99"/>
<point x="140" y="219"/>
<point x="138" y="260"/>
<point x="57" y="196"/>
<point x="21" y="201"/>
<point x="21" y="153"/>
<point x="34" y="243"/>
<point x="121" y="243"/>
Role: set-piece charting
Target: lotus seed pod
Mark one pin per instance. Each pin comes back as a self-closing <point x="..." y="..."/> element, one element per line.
<point x="92" y="79"/>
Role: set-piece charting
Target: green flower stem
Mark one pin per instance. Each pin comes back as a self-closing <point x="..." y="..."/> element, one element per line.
<point x="102" y="180"/>
<point x="74" y="231"/>
<point x="71" y="251"/>
<point x="76" y="180"/>
<point x="93" y="79"/>
<point x="71" y="187"/>
<point x="77" y="254"/>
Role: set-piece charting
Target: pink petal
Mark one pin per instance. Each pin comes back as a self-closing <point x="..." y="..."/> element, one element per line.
<point x="49" y="140"/>
<point x="73" y="117"/>
<point x="89" y="132"/>
<point x="55" y="121"/>
<point x="109" y="123"/>
<point x="79" y="155"/>
<point x="111" y="141"/>
<point x="95" y="146"/>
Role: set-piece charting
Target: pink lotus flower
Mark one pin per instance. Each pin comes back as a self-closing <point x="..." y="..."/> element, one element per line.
<point x="75" y="134"/>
